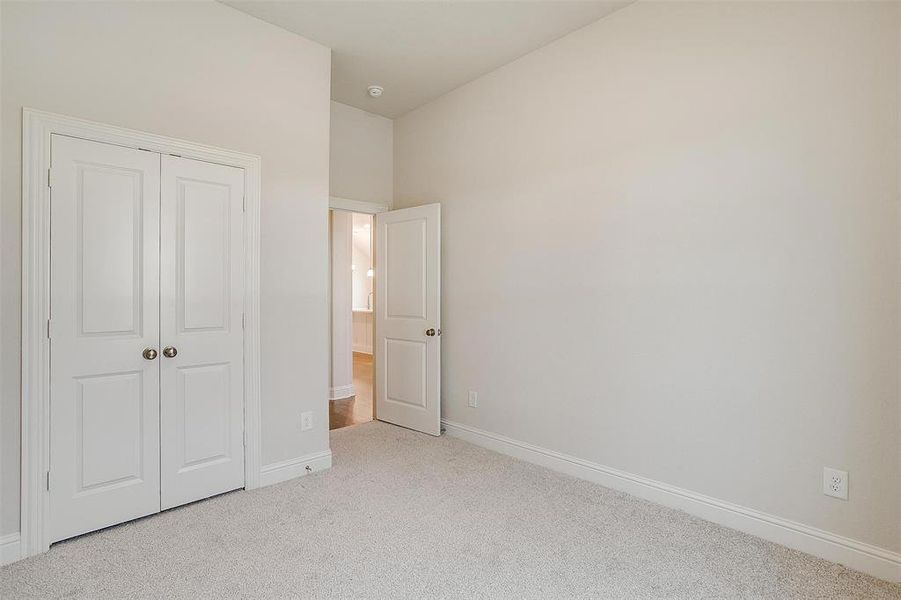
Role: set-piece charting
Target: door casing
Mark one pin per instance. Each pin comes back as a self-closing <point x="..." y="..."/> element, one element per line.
<point x="366" y="208"/>
<point x="37" y="128"/>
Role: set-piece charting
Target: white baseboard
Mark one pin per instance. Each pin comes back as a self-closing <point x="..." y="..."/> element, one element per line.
<point x="879" y="562"/>
<point x="270" y="474"/>
<point x="343" y="391"/>
<point x="9" y="548"/>
<point x="295" y="467"/>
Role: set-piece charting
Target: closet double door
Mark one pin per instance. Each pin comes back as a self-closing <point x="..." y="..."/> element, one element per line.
<point x="146" y="333"/>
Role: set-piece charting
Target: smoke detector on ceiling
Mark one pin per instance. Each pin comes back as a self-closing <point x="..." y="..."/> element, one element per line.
<point x="375" y="90"/>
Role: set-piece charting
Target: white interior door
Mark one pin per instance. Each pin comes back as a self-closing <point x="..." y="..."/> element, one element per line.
<point x="202" y="337"/>
<point x="104" y="306"/>
<point x="408" y="319"/>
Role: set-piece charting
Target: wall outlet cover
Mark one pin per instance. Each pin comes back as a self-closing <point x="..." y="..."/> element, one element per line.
<point x="835" y="483"/>
<point x="473" y="399"/>
<point x="306" y="421"/>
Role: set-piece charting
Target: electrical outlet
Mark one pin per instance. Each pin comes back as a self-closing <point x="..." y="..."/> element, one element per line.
<point x="306" y="421"/>
<point x="835" y="483"/>
<point x="473" y="399"/>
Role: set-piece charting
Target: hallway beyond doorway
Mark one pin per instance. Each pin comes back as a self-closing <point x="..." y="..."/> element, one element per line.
<point x="356" y="409"/>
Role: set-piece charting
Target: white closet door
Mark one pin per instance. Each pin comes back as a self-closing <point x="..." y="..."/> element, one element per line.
<point x="104" y="305"/>
<point x="408" y="320"/>
<point x="201" y="306"/>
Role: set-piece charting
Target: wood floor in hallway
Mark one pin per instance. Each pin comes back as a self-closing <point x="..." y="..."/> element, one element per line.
<point x="356" y="409"/>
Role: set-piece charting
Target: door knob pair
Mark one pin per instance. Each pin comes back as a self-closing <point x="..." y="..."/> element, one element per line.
<point x="151" y="353"/>
<point x="432" y="332"/>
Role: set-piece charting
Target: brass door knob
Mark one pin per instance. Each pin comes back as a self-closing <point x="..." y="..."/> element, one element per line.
<point x="149" y="353"/>
<point x="169" y="352"/>
<point x="430" y="332"/>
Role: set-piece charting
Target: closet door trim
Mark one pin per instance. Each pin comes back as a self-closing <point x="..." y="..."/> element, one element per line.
<point x="37" y="129"/>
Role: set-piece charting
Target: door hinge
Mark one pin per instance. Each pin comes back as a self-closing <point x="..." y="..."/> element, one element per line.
<point x="245" y="438"/>
<point x="49" y="178"/>
<point x="47" y="480"/>
<point x="49" y="334"/>
<point x="243" y="321"/>
<point x="244" y="203"/>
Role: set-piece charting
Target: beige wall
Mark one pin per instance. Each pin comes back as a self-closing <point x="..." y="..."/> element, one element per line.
<point x="361" y="155"/>
<point x="203" y="72"/>
<point x="671" y="246"/>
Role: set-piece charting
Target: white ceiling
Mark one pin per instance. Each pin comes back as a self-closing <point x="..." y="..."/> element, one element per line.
<point x="419" y="50"/>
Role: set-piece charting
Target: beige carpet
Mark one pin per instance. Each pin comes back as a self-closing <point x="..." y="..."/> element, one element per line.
<point x="404" y="515"/>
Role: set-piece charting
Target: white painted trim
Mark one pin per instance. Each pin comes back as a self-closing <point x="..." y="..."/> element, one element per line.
<point x="10" y="548"/>
<point x="341" y="375"/>
<point x="343" y="391"/>
<point x="357" y="206"/>
<point x="295" y="467"/>
<point x="876" y="561"/>
<point x="37" y="127"/>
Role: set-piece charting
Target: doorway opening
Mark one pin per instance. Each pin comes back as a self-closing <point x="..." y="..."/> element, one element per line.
<point x="395" y="258"/>
<point x="351" y="395"/>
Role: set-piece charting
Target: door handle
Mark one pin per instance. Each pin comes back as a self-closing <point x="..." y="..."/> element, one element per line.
<point x="432" y="332"/>
<point x="149" y="353"/>
<point x="170" y="352"/>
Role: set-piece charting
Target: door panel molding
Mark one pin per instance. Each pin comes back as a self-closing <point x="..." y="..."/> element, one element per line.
<point x="37" y="129"/>
<point x="407" y="317"/>
<point x="201" y="291"/>
<point x="104" y="298"/>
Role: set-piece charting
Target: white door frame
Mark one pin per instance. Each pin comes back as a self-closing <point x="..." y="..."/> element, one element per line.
<point x="37" y="127"/>
<point x="357" y="206"/>
<point x="366" y="208"/>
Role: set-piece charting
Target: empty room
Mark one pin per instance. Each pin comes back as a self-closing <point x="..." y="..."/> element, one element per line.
<point x="476" y="299"/>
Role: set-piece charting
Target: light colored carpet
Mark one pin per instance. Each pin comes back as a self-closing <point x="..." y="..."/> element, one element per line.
<point x="405" y="515"/>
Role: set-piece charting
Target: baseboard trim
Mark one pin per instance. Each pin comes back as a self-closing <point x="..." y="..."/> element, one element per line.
<point x="295" y="467"/>
<point x="10" y="548"/>
<point x="340" y="392"/>
<point x="878" y="562"/>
